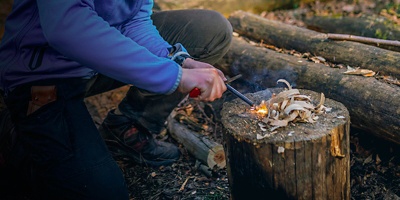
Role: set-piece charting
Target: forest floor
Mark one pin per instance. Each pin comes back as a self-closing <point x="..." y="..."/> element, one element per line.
<point x="375" y="163"/>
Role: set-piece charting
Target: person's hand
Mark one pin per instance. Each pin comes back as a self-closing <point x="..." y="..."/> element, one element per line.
<point x="192" y="64"/>
<point x="205" y="77"/>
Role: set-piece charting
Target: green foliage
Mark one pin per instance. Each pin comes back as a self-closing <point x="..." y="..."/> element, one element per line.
<point x="381" y="35"/>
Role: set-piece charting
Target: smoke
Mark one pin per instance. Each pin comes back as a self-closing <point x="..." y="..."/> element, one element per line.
<point x="262" y="78"/>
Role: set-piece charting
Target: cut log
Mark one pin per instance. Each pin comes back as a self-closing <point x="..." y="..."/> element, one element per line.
<point x="299" y="161"/>
<point x="209" y="152"/>
<point x="304" y="40"/>
<point x="374" y="106"/>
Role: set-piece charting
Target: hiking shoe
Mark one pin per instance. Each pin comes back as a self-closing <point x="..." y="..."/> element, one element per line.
<point x="124" y="138"/>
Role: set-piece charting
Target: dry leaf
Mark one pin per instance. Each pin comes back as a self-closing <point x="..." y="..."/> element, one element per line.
<point x="358" y="71"/>
<point x="378" y="160"/>
<point x="368" y="160"/>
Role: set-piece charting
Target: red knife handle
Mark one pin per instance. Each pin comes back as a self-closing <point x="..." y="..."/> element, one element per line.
<point x="195" y="93"/>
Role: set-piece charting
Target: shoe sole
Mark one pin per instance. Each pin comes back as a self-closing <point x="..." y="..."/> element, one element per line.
<point x="118" y="149"/>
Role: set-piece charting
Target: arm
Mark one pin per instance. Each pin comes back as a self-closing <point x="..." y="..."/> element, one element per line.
<point x="141" y="30"/>
<point x="73" y="28"/>
<point x="201" y="75"/>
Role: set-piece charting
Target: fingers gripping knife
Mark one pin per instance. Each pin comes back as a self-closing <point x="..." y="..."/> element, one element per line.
<point x="178" y="54"/>
<point x="196" y="92"/>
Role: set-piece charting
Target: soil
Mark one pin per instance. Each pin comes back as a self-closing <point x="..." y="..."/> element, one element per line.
<point x="375" y="163"/>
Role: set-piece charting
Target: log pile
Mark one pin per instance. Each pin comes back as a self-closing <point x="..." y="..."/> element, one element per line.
<point x="304" y="40"/>
<point x="371" y="26"/>
<point x="373" y="104"/>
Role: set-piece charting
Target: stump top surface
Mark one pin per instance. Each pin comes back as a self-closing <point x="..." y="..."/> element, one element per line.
<point x="242" y="124"/>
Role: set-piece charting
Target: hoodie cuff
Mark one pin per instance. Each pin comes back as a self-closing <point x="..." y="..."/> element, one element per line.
<point x="178" y="80"/>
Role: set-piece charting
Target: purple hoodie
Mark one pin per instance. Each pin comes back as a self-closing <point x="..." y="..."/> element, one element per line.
<point x="78" y="38"/>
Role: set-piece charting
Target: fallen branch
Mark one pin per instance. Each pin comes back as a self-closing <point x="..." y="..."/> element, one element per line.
<point x="361" y="39"/>
<point x="184" y="184"/>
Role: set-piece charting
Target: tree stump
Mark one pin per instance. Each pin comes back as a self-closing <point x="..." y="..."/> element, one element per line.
<point x="299" y="161"/>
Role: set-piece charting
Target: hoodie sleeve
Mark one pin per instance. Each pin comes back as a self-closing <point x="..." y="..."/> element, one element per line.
<point x="73" y="28"/>
<point x="141" y="30"/>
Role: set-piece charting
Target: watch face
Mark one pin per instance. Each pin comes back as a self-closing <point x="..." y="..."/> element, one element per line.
<point x="180" y="58"/>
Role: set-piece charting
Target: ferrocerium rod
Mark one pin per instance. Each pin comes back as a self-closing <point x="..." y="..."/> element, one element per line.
<point x="240" y="95"/>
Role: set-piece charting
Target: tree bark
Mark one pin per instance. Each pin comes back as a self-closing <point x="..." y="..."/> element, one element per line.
<point x="311" y="163"/>
<point x="374" y="106"/>
<point x="210" y="153"/>
<point x="304" y="40"/>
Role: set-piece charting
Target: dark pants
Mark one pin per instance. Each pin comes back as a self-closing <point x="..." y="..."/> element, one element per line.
<point x="59" y="151"/>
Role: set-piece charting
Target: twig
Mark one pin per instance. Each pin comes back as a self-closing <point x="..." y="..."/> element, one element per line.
<point x="184" y="184"/>
<point x="361" y="39"/>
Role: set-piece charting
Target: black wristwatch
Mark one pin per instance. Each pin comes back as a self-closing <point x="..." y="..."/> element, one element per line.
<point x="178" y="54"/>
<point x="180" y="57"/>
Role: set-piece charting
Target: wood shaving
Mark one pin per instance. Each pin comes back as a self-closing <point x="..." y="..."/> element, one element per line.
<point x="287" y="107"/>
<point x="281" y="149"/>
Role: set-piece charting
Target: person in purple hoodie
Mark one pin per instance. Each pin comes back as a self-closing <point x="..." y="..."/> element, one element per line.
<point x="56" y="53"/>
